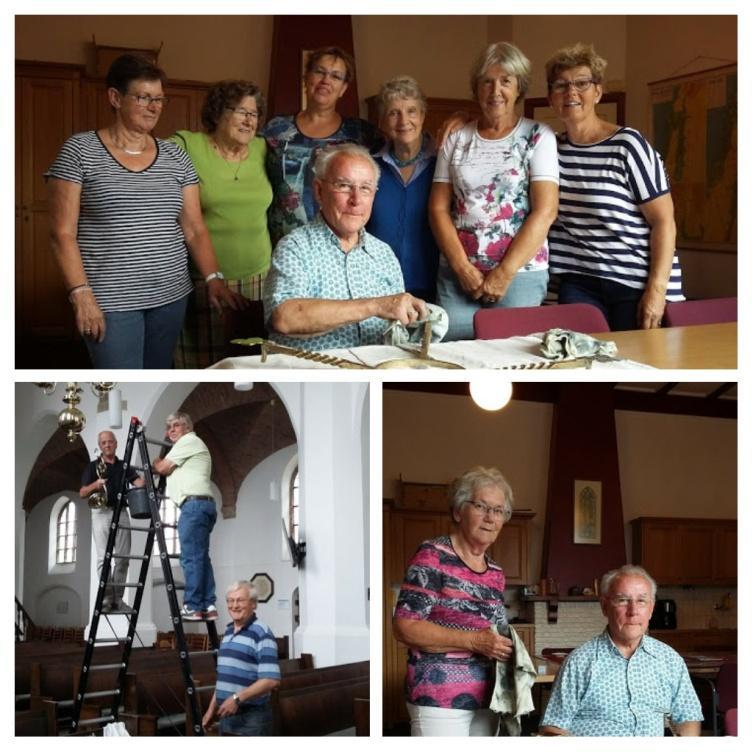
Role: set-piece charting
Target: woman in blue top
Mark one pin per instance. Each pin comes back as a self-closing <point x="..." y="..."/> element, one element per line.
<point x="400" y="216"/>
<point x="294" y="140"/>
<point x="613" y="242"/>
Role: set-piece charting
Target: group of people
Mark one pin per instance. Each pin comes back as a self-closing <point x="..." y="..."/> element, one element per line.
<point x="247" y="664"/>
<point x="451" y="615"/>
<point x="341" y="229"/>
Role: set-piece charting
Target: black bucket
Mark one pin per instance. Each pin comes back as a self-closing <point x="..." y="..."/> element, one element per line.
<point x="138" y="503"/>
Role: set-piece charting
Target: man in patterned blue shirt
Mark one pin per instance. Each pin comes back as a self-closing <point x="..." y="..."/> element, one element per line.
<point x="247" y="669"/>
<point x="623" y="682"/>
<point x="332" y="284"/>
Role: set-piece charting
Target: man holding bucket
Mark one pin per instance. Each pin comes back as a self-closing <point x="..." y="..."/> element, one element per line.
<point x="101" y="480"/>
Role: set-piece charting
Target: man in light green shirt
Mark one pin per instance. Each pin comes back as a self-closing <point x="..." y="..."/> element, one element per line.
<point x="188" y="467"/>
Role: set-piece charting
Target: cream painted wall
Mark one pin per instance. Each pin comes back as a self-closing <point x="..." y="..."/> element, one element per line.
<point x="672" y="466"/>
<point x="436" y="50"/>
<point x="540" y="36"/>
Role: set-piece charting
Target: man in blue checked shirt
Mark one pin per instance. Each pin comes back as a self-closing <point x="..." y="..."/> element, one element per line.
<point x="247" y="669"/>
<point x="623" y="682"/>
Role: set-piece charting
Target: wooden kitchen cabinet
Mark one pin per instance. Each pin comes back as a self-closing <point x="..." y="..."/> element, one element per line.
<point x="686" y="551"/>
<point x="423" y="513"/>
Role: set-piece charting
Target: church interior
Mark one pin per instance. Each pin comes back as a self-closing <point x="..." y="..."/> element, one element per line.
<point x="290" y="478"/>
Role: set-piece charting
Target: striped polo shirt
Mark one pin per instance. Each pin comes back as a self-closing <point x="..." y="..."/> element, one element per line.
<point x="600" y="230"/>
<point x="132" y="245"/>
<point x="246" y="656"/>
<point x="440" y="588"/>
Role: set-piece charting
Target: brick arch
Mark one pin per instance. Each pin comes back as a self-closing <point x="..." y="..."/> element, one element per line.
<point x="241" y="429"/>
<point x="57" y="469"/>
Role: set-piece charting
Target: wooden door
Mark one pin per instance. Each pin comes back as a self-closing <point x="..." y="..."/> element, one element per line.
<point x="47" y="115"/>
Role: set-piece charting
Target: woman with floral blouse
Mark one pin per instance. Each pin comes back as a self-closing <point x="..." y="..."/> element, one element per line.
<point x="494" y="198"/>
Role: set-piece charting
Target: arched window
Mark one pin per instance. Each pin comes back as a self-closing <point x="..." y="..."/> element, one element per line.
<point x="65" y="535"/>
<point x="169" y="514"/>
<point x="293" y="507"/>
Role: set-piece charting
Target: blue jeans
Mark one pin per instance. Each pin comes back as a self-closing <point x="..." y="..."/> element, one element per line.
<point x="618" y="303"/>
<point x="526" y="289"/>
<point x="197" y="518"/>
<point x="253" y="721"/>
<point x="139" y="339"/>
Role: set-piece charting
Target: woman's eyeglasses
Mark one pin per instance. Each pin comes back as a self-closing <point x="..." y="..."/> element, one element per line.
<point x="499" y="513"/>
<point x="242" y="114"/>
<point x="579" y="84"/>
<point x="144" y="100"/>
<point x="323" y="73"/>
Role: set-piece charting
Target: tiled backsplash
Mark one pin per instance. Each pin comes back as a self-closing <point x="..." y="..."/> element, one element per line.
<point x="577" y="621"/>
<point x="696" y="607"/>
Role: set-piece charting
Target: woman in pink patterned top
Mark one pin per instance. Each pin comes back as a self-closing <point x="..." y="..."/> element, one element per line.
<point x="451" y="596"/>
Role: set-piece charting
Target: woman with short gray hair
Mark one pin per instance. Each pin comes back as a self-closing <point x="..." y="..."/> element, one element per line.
<point x="453" y="593"/>
<point x="407" y="161"/>
<point x="494" y="198"/>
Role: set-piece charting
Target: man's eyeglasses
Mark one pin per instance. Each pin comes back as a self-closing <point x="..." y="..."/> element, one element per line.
<point x="621" y="602"/>
<point x="333" y="74"/>
<point x="242" y="114"/>
<point x="364" y="190"/>
<point x="236" y="601"/>
<point x="561" y="86"/>
<point x="499" y="513"/>
<point x="144" y="100"/>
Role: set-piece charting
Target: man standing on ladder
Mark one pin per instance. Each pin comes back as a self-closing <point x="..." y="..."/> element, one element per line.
<point x="102" y="479"/>
<point x="188" y="468"/>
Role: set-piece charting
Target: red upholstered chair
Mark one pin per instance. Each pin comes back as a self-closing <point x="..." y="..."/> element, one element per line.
<point x="726" y="687"/>
<point x="730" y="722"/>
<point x="498" y="323"/>
<point x="710" y="311"/>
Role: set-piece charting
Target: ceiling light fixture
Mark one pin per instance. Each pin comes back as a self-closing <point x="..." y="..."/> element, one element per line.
<point x="490" y="392"/>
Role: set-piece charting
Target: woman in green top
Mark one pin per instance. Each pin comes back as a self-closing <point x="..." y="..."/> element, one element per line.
<point x="235" y="194"/>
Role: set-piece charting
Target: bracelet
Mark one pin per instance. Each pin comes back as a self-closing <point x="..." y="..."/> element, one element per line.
<point x="213" y="275"/>
<point x="77" y="289"/>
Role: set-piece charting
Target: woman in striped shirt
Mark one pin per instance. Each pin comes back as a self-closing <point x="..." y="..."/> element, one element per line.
<point x="452" y="594"/>
<point x="124" y="214"/>
<point x="613" y="243"/>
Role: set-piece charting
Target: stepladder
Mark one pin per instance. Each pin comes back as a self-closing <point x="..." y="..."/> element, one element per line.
<point x="92" y="710"/>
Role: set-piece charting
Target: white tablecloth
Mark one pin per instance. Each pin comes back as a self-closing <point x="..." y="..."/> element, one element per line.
<point x="490" y="353"/>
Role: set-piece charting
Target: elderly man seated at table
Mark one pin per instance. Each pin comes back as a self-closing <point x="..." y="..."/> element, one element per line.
<point x="623" y="682"/>
<point x="331" y="283"/>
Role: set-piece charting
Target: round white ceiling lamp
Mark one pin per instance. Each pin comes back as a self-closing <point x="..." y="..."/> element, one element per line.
<point x="491" y="392"/>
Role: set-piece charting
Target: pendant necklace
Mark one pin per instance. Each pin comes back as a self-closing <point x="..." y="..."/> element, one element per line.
<point x="235" y="170"/>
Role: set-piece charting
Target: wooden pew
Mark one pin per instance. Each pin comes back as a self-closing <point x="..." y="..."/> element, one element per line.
<point x="38" y="721"/>
<point x="319" y="709"/>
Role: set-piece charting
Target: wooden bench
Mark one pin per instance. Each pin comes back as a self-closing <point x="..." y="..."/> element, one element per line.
<point x="319" y="709"/>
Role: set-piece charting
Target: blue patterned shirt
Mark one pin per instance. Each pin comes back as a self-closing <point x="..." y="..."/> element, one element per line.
<point x="246" y="656"/>
<point x="309" y="263"/>
<point x="599" y="692"/>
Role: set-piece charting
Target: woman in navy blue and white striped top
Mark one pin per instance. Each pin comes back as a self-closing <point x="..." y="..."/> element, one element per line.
<point x="124" y="214"/>
<point x="613" y="243"/>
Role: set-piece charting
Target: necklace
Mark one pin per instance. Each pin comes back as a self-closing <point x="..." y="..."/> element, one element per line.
<point x="405" y="162"/>
<point x="131" y="152"/>
<point x="234" y="170"/>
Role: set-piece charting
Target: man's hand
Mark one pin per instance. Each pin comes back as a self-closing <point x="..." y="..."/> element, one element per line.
<point x="402" y="307"/>
<point x="208" y="718"/>
<point x="492" y="645"/>
<point x="229" y="707"/>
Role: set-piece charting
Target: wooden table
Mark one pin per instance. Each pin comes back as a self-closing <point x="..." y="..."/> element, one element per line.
<point x="701" y="346"/>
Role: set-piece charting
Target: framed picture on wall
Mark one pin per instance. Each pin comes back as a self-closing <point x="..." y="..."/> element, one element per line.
<point x="587" y="512"/>
<point x="265" y="586"/>
<point x="611" y="108"/>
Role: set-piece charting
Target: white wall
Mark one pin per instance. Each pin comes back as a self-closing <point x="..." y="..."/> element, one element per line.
<point x="52" y="598"/>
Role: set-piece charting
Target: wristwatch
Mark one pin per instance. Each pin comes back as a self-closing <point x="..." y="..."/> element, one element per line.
<point x="213" y="275"/>
<point x="237" y="699"/>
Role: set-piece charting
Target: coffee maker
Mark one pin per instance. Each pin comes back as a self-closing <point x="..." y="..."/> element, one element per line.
<point x="665" y="615"/>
